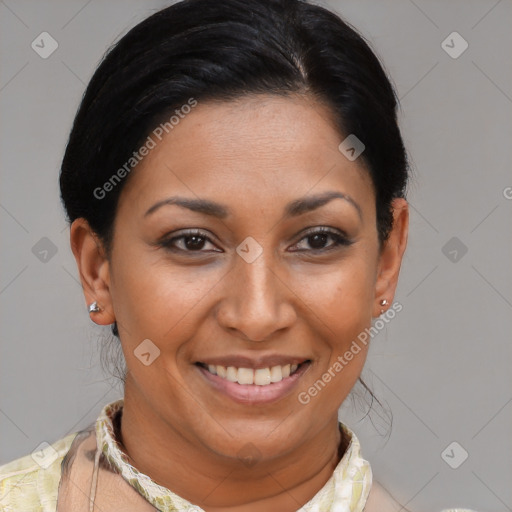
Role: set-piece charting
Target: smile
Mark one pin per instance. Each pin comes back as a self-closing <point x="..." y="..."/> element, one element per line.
<point x="259" y="376"/>
<point x="254" y="385"/>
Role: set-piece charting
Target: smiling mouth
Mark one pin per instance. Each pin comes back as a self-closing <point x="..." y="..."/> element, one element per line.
<point x="249" y="376"/>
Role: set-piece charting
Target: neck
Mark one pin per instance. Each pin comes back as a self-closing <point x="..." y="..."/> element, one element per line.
<point x="218" y="483"/>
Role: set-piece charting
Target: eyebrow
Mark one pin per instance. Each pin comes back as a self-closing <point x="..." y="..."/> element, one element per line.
<point x="292" y="209"/>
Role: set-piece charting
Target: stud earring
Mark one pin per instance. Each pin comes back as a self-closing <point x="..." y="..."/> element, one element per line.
<point x="94" y="308"/>
<point x="383" y="302"/>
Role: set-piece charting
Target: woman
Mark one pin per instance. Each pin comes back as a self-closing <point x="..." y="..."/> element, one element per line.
<point x="235" y="186"/>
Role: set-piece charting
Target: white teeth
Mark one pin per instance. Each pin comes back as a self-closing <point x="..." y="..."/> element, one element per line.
<point x="260" y="376"/>
<point x="245" y="376"/>
<point x="231" y="374"/>
<point x="275" y="374"/>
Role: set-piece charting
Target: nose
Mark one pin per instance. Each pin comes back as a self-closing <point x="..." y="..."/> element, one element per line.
<point x="257" y="301"/>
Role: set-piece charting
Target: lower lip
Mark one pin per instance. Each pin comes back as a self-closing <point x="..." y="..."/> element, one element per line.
<point x="252" y="393"/>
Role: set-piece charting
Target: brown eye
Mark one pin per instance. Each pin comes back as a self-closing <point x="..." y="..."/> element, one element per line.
<point x="318" y="240"/>
<point x="192" y="241"/>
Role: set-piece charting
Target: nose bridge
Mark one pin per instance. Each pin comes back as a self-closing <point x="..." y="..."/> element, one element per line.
<point x="256" y="303"/>
<point x="258" y="280"/>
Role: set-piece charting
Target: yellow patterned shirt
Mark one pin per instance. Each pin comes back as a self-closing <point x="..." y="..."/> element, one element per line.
<point x="87" y="471"/>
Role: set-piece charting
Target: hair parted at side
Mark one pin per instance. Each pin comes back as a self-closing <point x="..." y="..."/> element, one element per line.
<point x="224" y="50"/>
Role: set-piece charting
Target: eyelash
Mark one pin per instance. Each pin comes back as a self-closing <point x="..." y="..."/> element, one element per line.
<point x="339" y="240"/>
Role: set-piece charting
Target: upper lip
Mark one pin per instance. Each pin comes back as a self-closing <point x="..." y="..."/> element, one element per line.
<point x="239" y="361"/>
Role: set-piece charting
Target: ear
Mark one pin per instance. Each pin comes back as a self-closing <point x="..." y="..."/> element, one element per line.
<point x="390" y="257"/>
<point x="94" y="270"/>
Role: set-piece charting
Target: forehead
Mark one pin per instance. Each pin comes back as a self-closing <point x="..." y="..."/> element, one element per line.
<point x="259" y="150"/>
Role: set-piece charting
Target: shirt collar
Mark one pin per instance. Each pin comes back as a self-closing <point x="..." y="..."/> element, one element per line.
<point x="346" y="490"/>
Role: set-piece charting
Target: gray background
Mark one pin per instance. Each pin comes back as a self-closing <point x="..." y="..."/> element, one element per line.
<point x="442" y="366"/>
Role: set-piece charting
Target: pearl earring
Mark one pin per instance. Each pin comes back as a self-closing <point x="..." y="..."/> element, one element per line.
<point x="94" y="308"/>
<point x="383" y="302"/>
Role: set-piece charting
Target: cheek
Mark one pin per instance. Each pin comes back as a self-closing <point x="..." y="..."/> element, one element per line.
<point x="341" y="296"/>
<point x="342" y="300"/>
<point x="157" y="300"/>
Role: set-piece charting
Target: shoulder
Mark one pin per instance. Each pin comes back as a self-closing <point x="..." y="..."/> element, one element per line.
<point x="29" y="480"/>
<point x="379" y="500"/>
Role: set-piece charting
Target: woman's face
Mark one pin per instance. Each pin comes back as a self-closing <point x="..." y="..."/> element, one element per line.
<point x="254" y="286"/>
